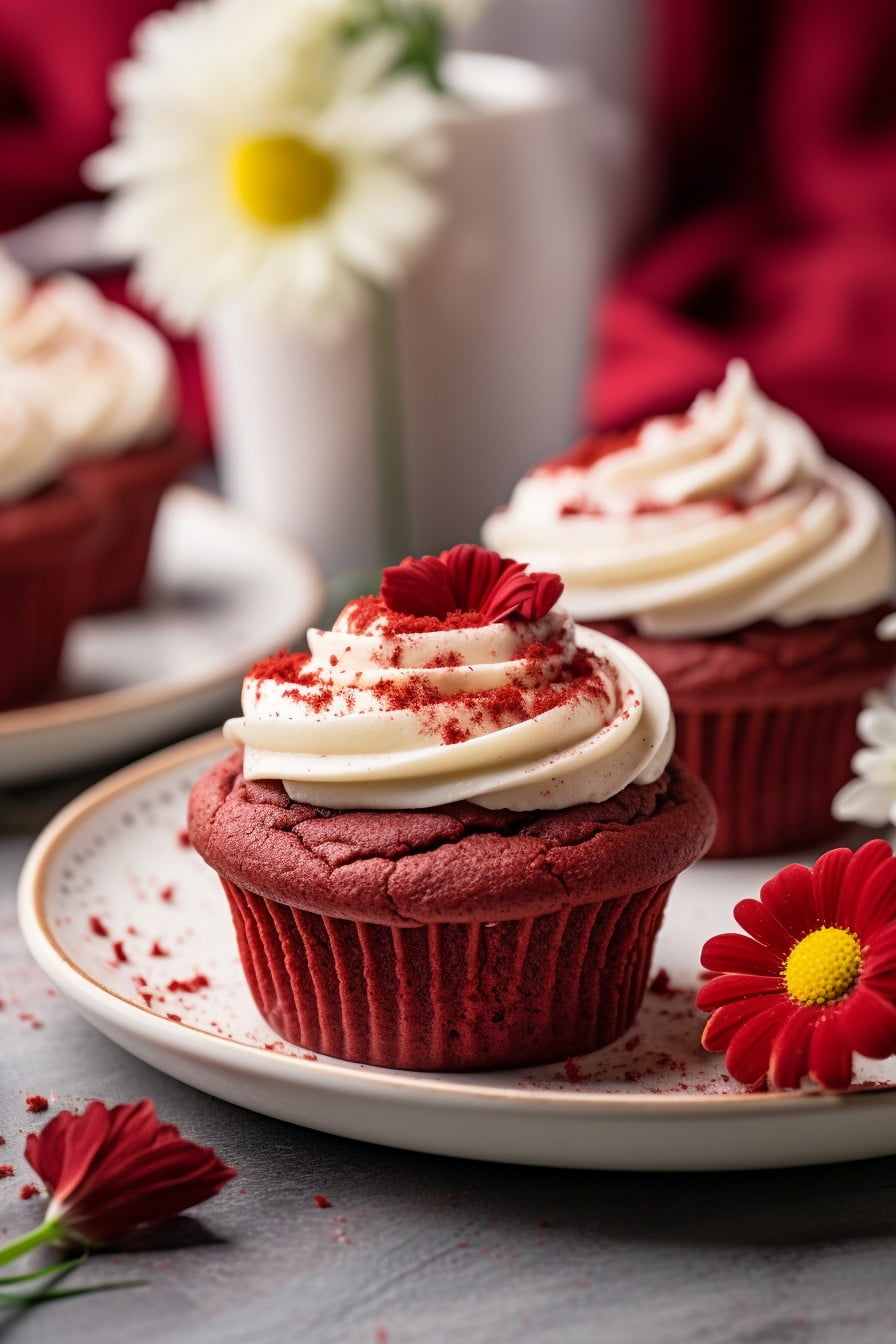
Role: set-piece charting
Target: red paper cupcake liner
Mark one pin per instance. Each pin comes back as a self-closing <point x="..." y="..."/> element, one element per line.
<point x="41" y="593"/>
<point x="772" y="772"/>
<point x="37" y="608"/>
<point x="449" y="996"/>
<point x="126" y="492"/>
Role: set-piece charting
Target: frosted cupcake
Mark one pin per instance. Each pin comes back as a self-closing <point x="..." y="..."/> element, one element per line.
<point x="105" y="381"/>
<point x="450" y="831"/>
<point x="43" y="523"/>
<point x="750" y="570"/>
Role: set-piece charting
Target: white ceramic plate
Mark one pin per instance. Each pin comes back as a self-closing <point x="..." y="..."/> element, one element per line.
<point x="653" y="1101"/>
<point x="222" y="591"/>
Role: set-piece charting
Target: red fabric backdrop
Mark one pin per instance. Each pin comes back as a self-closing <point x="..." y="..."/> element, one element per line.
<point x="774" y="229"/>
<point x="773" y="233"/>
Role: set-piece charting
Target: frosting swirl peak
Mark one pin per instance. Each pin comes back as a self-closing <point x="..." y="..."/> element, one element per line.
<point x="705" y="523"/>
<point x="405" y="711"/>
<point x="103" y="376"/>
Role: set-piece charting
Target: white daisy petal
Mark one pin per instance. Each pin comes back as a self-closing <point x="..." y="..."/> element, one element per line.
<point x="366" y="64"/>
<point x="886" y="628"/>
<point x="876" y="766"/>
<point x="208" y="77"/>
<point x="860" y="801"/>
<point x="877" y="726"/>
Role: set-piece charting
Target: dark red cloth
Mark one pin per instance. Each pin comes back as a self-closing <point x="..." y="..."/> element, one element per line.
<point x="55" y="57"/>
<point x="774" y="229"/>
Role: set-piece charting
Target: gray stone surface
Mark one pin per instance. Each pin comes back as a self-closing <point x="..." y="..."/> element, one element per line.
<point x="415" y="1249"/>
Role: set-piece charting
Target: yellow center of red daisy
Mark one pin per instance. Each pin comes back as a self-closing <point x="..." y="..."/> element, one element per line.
<point x="823" y="966"/>
<point x="281" y="180"/>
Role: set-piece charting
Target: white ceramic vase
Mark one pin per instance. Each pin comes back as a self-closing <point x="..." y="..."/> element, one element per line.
<point x="492" y="338"/>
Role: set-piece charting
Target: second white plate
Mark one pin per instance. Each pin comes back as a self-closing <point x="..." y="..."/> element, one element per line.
<point x="222" y="591"/>
<point x="132" y="926"/>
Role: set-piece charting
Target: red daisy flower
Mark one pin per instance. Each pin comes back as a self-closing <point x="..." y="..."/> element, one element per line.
<point x="815" y="979"/>
<point x="112" y="1170"/>
<point x="468" y="578"/>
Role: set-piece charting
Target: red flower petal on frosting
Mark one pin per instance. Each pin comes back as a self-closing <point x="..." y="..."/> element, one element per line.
<point x="112" y="1170"/>
<point x="419" y="587"/>
<point x="468" y="578"/>
<point x="782" y="1020"/>
<point x="473" y="572"/>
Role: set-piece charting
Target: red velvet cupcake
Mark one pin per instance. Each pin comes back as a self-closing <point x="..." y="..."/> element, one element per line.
<point x="750" y="571"/>
<point x="449" y="838"/>
<point x="105" y="379"/>
<point x="42" y="524"/>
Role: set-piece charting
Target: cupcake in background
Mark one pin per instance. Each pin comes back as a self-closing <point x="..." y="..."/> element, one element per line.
<point x="105" y="380"/>
<point x="750" y="570"/>
<point x="450" y="830"/>
<point x="44" y="526"/>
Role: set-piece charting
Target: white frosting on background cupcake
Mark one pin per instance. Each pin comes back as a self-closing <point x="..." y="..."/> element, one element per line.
<point x="31" y="454"/>
<point x="517" y="714"/>
<point x="705" y="523"/>
<point x="103" y="376"/>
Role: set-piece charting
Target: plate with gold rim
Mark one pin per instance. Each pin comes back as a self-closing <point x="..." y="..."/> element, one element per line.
<point x="222" y="591"/>
<point x="130" y="924"/>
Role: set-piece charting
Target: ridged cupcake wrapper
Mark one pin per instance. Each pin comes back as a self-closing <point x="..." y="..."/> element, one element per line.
<point x="449" y="996"/>
<point x="116" y="563"/>
<point x="37" y="607"/>
<point x="773" y="772"/>
<point x="126" y="492"/>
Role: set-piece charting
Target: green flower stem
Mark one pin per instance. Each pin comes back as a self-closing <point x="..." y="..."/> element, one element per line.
<point x="48" y="1231"/>
<point x="394" y="535"/>
<point x="58" y="1267"/>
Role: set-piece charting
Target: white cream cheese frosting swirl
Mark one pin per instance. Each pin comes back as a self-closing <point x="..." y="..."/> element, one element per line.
<point x="516" y="714"/>
<point x="705" y="523"/>
<point x="31" y="455"/>
<point x="103" y="376"/>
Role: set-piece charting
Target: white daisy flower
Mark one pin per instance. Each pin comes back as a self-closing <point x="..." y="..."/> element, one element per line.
<point x="871" y="797"/>
<point x="258" y="156"/>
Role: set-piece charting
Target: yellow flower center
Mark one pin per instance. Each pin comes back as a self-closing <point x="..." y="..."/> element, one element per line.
<point x="282" y="180"/>
<point x="823" y="966"/>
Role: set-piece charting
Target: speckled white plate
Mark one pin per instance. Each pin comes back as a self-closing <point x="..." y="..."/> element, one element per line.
<point x="222" y="591"/>
<point x="129" y="923"/>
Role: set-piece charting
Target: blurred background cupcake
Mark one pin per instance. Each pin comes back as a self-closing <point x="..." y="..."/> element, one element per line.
<point x="44" y="524"/>
<point x="750" y="570"/>
<point x="104" y="379"/>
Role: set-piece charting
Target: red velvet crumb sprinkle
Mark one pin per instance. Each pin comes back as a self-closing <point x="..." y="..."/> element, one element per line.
<point x="5" y="1170"/>
<point x="36" y="1104"/>
<point x="120" y="955"/>
<point x="322" y="1202"/>
<point x="98" y="927"/>
<point x="28" y="1191"/>
<point x="573" y="1072"/>
<point x="189" y="986"/>
<point x="280" y="666"/>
